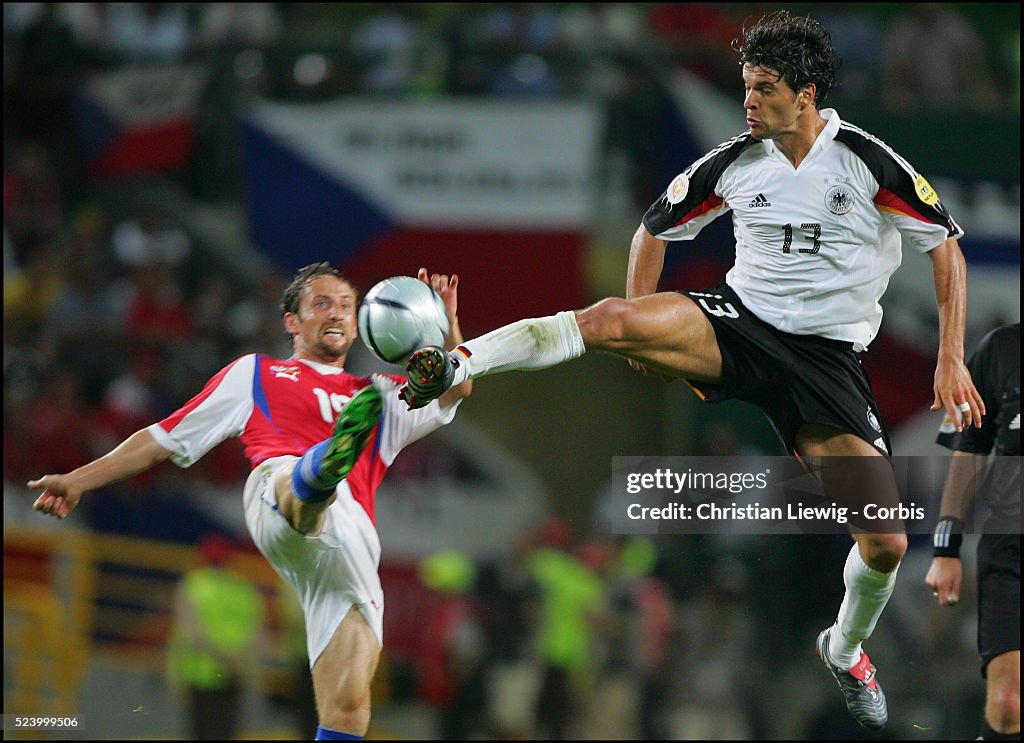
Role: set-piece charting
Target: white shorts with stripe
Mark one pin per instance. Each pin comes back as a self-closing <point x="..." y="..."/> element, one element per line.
<point x="331" y="572"/>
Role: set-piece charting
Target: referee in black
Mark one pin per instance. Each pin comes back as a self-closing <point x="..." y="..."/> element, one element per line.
<point x="995" y="368"/>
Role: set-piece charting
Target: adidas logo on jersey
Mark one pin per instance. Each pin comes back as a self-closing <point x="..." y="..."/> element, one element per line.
<point x="759" y="201"/>
<point x="1015" y="423"/>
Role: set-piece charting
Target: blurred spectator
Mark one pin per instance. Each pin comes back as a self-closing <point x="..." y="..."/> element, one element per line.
<point x="131" y="401"/>
<point x="32" y="201"/>
<point x="506" y="593"/>
<point x="541" y="28"/>
<point x="218" y="615"/>
<point x="157" y="312"/>
<point x="526" y="76"/>
<point x="519" y="39"/>
<point x="598" y="27"/>
<point x="935" y="60"/>
<point x="149" y="238"/>
<point x="309" y="64"/>
<point x="88" y="22"/>
<point x="26" y="361"/>
<point x="59" y="432"/>
<point x="296" y="695"/>
<point x="210" y="305"/>
<point x="699" y="36"/>
<point x="431" y="74"/>
<point x="47" y="61"/>
<point x="254" y="321"/>
<point x="450" y="658"/>
<point x="647" y="626"/>
<point x="148" y="32"/>
<point x="638" y="117"/>
<point x="86" y="321"/>
<point x="89" y="225"/>
<point x="30" y="292"/>
<point x="498" y="27"/>
<point x="239" y="25"/>
<point x="385" y="45"/>
<point x="719" y="631"/>
<point x="607" y="708"/>
<point x="19" y="459"/>
<point x="316" y="26"/>
<point x="209" y="310"/>
<point x="569" y="596"/>
<point x="857" y="38"/>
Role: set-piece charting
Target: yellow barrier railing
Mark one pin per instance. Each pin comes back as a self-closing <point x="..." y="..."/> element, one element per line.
<point x="68" y="594"/>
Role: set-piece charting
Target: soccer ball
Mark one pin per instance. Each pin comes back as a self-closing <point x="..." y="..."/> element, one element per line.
<point x="399" y="315"/>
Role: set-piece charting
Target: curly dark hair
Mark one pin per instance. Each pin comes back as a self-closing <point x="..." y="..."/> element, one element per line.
<point x="798" y="48"/>
<point x="293" y="293"/>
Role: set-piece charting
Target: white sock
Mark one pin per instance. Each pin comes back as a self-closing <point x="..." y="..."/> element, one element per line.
<point x="867" y="592"/>
<point x="526" y="345"/>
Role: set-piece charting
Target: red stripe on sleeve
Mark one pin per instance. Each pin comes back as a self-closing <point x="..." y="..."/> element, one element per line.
<point x="711" y="202"/>
<point x="888" y="201"/>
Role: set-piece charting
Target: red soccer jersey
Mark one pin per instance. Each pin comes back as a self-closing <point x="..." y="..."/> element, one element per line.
<point x="285" y="407"/>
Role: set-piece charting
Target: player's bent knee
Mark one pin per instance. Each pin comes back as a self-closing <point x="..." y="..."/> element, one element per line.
<point x="346" y="714"/>
<point x="604" y="323"/>
<point x="305" y="518"/>
<point x="884" y="551"/>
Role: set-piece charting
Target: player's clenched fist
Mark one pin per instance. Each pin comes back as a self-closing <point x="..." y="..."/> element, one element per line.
<point x="58" y="498"/>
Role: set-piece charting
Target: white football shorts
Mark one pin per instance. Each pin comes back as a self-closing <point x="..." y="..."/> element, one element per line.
<point x="331" y="572"/>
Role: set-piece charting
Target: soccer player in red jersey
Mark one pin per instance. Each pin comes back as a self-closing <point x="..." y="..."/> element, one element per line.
<point x="320" y="441"/>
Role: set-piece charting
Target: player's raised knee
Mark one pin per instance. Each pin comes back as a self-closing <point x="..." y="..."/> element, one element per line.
<point x="606" y="322"/>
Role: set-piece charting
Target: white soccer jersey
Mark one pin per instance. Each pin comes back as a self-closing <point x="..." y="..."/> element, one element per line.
<point x="815" y="245"/>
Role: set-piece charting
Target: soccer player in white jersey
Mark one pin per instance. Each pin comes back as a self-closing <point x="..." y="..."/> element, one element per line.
<point x="820" y="209"/>
<point x="320" y="441"/>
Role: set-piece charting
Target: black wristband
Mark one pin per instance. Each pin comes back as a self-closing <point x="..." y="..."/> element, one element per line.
<point x="947" y="537"/>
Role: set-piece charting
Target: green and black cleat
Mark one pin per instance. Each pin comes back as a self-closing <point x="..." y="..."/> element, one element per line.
<point x="351" y="431"/>
<point x="430" y="373"/>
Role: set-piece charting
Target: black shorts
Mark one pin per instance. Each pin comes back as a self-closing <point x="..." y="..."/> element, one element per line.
<point x="795" y="379"/>
<point x="998" y="596"/>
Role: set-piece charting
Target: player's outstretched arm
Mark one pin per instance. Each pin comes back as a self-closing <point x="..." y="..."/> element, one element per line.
<point x="448" y="289"/>
<point x="61" y="493"/>
<point x="954" y="390"/>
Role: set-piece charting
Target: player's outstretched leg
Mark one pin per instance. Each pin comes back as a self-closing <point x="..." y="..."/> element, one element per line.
<point x="323" y="466"/>
<point x="864" y="697"/>
<point x="526" y="345"/>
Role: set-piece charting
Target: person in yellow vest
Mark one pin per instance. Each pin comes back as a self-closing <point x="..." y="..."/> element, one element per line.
<point x="449" y="662"/>
<point x="218" y="617"/>
<point x="570" y="598"/>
